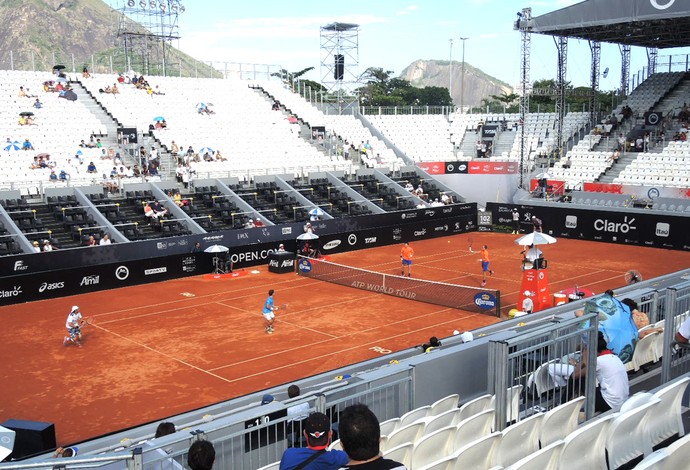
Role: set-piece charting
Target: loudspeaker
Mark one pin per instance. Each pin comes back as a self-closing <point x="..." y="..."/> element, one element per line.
<point x="339" y="67"/>
<point x="32" y="437"/>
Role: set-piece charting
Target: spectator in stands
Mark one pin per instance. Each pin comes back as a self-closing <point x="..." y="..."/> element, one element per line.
<point x="158" y="209"/>
<point x="66" y="452"/>
<point x="308" y="228"/>
<point x="91" y="168"/>
<point x="258" y="222"/>
<point x="409" y="187"/>
<point x="92" y="241"/>
<point x="174" y="148"/>
<point x="567" y="163"/>
<point x="433" y="343"/>
<point x="249" y="224"/>
<point x="640" y="319"/>
<point x="36" y="246"/>
<point x="38" y="104"/>
<point x="683" y="333"/>
<point x="197" y="248"/>
<point x="47" y="246"/>
<point x="85" y="73"/>
<point x="317" y="431"/>
<point x="219" y="157"/>
<point x="445" y="199"/>
<point x="360" y="434"/>
<point x="201" y="455"/>
<point x="612" y="378"/>
<point x="64" y="176"/>
<point x="53" y="176"/>
<point x="27" y="145"/>
<point x="281" y="247"/>
<point x="163" y="429"/>
<point x="105" y="240"/>
<point x="621" y="142"/>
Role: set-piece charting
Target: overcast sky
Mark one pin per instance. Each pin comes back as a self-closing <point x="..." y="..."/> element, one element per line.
<point x="392" y="34"/>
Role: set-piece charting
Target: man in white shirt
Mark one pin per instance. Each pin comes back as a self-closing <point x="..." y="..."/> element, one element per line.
<point x="73" y="329"/>
<point x="105" y="240"/>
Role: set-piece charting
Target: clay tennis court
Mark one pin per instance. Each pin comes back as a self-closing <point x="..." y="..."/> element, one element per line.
<point x="161" y="349"/>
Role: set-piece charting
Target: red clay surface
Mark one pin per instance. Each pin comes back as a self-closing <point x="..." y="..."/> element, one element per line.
<point x="161" y="349"/>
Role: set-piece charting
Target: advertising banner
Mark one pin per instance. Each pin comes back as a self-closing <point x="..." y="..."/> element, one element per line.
<point x="33" y="277"/>
<point x="613" y="226"/>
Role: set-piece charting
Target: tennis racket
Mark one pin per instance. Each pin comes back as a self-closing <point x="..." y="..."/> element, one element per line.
<point x="86" y="321"/>
<point x="281" y="307"/>
<point x="471" y="241"/>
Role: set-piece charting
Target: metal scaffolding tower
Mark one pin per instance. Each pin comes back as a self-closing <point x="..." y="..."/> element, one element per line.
<point x="652" y="53"/>
<point x="595" y="47"/>
<point x="625" y="68"/>
<point x="524" y="25"/>
<point x="145" y="31"/>
<point x="340" y="63"/>
<point x="562" y="46"/>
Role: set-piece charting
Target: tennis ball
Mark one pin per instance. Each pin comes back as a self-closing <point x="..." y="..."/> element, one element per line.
<point x="448" y="241"/>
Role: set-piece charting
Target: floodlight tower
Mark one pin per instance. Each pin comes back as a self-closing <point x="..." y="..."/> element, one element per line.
<point x="145" y="31"/>
<point x="524" y="24"/>
<point x="340" y="62"/>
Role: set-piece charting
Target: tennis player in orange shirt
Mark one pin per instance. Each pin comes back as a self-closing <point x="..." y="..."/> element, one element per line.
<point x="406" y="254"/>
<point x="484" y="253"/>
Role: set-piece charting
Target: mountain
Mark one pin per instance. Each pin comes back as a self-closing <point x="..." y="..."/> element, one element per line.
<point x="75" y="33"/>
<point x="478" y="85"/>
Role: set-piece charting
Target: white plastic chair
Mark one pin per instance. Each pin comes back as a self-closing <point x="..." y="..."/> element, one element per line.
<point x="446" y="463"/>
<point x="472" y="428"/>
<point x="628" y="437"/>
<point x="447" y="418"/>
<point x="444" y="404"/>
<point x="475" y="406"/>
<point x="678" y="454"/>
<point x="654" y="461"/>
<point x="543" y="459"/>
<point x="273" y="466"/>
<point x="560" y="421"/>
<point x="336" y="445"/>
<point x="412" y="416"/>
<point x="585" y="447"/>
<point x="645" y="351"/>
<point x="405" y="434"/>
<point x="667" y="420"/>
<point x="519" y="440"/>
<point x="636" y="400"/>
<point x="401" y="453"/>
<point x="480" y="453"/>
<point x="389" y="426"/>
<point x="432" y="446"/>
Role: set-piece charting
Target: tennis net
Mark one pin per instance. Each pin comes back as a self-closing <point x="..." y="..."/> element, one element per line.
<point x="472" y="299"/>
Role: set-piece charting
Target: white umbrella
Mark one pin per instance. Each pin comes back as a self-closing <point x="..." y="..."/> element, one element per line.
<point x="217" y="249"/>
<point x="545" y="174"/>
<point x="316" y="211"/>
<point x="308" y="236"/>
<point x="535" y="238"/>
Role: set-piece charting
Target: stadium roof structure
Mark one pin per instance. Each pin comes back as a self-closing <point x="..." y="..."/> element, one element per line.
<point x="646" y="23"/>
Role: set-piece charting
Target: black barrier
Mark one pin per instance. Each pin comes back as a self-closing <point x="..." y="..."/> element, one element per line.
<point x="271" y="236"/>
<point x="76" y="281"/>
<point x="612" y="226"/>
<point x="29" y="273"/>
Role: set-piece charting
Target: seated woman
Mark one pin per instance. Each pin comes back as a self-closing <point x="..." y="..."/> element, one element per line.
<point x="640" y="318"/>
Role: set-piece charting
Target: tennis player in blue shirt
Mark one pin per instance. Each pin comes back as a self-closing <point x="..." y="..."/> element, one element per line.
<point x="269" y="308"/>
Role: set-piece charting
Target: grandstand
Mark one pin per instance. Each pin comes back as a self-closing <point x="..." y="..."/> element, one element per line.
<point x="275" y="169"/>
